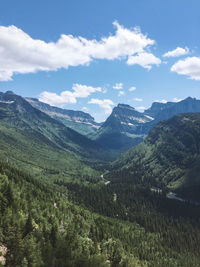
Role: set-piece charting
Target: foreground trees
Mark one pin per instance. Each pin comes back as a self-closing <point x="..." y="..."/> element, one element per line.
<point x="41" y="227"/>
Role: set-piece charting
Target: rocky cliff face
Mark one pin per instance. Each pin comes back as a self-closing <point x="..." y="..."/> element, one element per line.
<point x="121" y="130"/>
<point x="80" y="121"/>
<point x="125" y="118"/>
<point x="165" y="111"/>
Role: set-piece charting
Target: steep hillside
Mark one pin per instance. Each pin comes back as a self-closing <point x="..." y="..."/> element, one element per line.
<point x="170" y="155"/>
<point x="79" y="121"/>
<point x="30" y="137"/>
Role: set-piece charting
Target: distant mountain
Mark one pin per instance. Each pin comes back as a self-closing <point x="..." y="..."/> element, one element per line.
<point x="31" y="137"/>
<point x="79" y="121"/>
<point x="161" y="111"/>
<point x="169" y="156"/>
<point x="126" y="127"/>
<point x="121" y="130"/>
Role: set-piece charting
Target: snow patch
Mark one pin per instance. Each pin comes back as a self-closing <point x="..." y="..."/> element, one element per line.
<point x="7" y="102"/>
<point x="149" y="117"/>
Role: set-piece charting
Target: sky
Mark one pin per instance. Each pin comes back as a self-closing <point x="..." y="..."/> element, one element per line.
<point x="91" y="55"/>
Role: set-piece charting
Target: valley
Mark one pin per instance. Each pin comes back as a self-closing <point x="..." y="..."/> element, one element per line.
<point x="68" y="200"/>
<point x="99" y="133"/>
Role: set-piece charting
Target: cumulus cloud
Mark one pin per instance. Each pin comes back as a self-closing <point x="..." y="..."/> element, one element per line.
<point x="118" y="86"/>
<point x="121" y="93"/>
<point x="189" y="67"/>
<point x="144" y="59"/>
<point x="84" y="90"/>
<point x="164" y="101"/>
<point x="68" y="97"/>
<point x="54" y="99"/>
<point x="138" y="99"/>
<point x="179" y="51"/>
<point x="20" y="53"/>
<point x="106" y="104"/>
<point x="131" y="89"/>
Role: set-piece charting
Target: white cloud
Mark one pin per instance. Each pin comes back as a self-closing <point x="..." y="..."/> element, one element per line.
<point x="20" y="53"/>
<point x="118" y="86"/>
<point x="179" y="51"/>
<point x="131" y="89"/>
<point x="189" y="67"/>
<point x="175" y="99"/>
<point x="121" y="93"/>
<point x="138" y="99"/>
<point x="106" y="104"/>
<point x="54" y="99"/>
<point x="141" y="108"/>
<point x="84" y="90"/>
<point x="144" y="59"/>
<point x="68" y="97"/>
<point x="164" y="101"/>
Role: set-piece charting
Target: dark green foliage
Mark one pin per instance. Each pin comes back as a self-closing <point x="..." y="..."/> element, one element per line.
<point x="170" y="156"/>
<point x="24" y="127"/>
<point x="66" y="214"/>
<point x="42" y="228"/>
<point x="60" y="233"/>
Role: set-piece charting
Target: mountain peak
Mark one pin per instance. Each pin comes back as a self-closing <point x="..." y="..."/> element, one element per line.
<point x="9" y="93"/>
<point x="125" y="106"/>
<point x="189" y="98"/>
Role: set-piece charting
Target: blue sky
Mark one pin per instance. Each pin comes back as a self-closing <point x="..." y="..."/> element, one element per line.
<point x="150" y="46"/>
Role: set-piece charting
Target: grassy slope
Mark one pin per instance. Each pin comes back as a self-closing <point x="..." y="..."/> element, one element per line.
<point x="35" y="153"/>
<point x="31" y="139"/>
<point x="22" y="114"/>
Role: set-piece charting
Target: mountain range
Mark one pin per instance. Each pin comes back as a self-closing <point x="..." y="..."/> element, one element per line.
<point x="64" y="203"/>
<point x="31" y="138"/>
<point x="28" y="135"/>
<point x="126" y="127"/>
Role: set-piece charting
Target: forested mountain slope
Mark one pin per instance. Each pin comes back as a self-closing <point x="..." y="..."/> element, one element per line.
<point x="30" y="138"/>
<point x="40" y="227"/>
<point x="169" y="156"/>
<point x="56" y="211"/>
